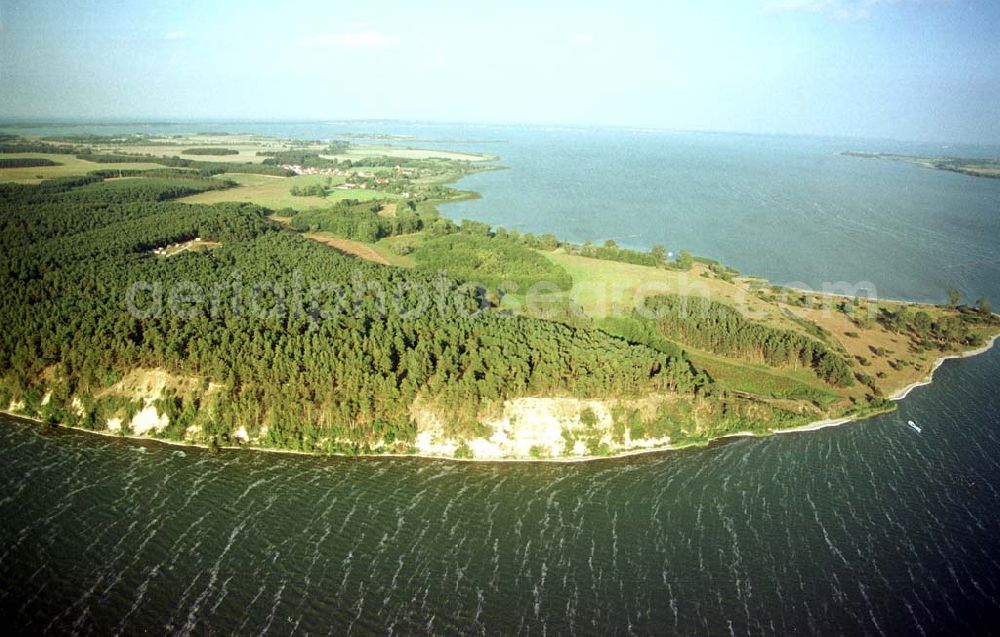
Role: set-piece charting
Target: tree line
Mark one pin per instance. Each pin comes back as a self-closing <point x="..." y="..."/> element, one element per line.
<point x="210" y="151"/>
<point x="202" y="167"/>
<point x="360" y="221"/>
<point x="25" y="162"/>
<point x="721" y="329"/>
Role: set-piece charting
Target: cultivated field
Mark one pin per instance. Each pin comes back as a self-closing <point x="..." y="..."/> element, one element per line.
<point x="69" y="166"/>
<point x="273" y="192"/>
<point x="247" y="145"/>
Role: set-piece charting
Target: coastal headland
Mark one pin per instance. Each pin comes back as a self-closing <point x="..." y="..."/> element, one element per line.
<point x="310" y="297"/>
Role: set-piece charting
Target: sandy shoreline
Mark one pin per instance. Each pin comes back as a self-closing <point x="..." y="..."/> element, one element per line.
<point x="897" y="395"/>
<point x="813" y="426"/>
<point x="195" y="445"/>
<point x="927" y="380"/>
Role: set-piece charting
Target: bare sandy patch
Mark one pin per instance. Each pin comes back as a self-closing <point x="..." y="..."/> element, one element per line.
<point x="348" y="247"/>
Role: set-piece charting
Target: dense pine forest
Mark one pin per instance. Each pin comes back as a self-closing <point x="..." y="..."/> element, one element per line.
<point x="309" y="346"/>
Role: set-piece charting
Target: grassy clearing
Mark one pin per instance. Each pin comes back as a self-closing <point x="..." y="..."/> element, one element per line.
<point x="68" y="166"/>
<point x="605" y="289"/>
<point x="609" y="288"/>
<point x="273" y="192"/>
<point x="761" y="380"/>
<point x="198" y="245"/>
<point x="397" y="249"/>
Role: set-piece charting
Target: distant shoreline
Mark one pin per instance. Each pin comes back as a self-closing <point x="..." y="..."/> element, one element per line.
<point x="986" y="168"/>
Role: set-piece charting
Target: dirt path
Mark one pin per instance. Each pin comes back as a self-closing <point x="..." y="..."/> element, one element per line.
<point x="347" y="246"/>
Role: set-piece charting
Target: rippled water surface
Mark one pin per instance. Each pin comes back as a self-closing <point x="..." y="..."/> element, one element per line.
<point x="868" y="528"/>
<point x="864" y="529"/>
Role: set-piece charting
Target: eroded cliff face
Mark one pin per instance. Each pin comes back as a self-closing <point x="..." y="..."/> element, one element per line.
<point x="519" y="429"/>
<point x="541" y="428"/>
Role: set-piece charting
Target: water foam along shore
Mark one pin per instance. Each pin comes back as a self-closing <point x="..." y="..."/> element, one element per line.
<point x="813" y="426"/>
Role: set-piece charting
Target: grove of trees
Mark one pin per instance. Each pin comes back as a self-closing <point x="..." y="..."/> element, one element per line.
<point x="721" y="329"/>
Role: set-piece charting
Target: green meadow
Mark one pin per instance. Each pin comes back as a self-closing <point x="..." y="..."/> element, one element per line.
<point x="66" y="166"/>
<point x="275" y="192"/>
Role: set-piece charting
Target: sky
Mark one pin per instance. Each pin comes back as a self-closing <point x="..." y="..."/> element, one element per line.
<point x="901" y="69"/>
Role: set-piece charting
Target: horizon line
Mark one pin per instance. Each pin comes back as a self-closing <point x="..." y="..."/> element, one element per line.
<point x="10" y="121"/>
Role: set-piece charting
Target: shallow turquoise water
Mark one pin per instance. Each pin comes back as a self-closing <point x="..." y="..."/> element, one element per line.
<point x="868" y="528"/>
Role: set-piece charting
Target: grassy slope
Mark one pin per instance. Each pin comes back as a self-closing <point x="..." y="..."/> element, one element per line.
<point x="605" y="285"/>
<point x="621" y="281"/>
<point x="764" y="381"/>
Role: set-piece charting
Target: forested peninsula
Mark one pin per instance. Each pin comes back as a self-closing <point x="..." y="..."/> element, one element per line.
<point x="244" y="291"/>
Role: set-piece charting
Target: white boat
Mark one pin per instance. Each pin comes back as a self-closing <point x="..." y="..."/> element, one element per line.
<point x="913" y="425"/>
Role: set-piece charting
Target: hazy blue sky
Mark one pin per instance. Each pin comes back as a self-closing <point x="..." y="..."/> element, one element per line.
<point x="910" y="69"/>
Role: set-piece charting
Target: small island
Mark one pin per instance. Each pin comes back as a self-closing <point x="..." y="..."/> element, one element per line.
<point x="309" y="296"/>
